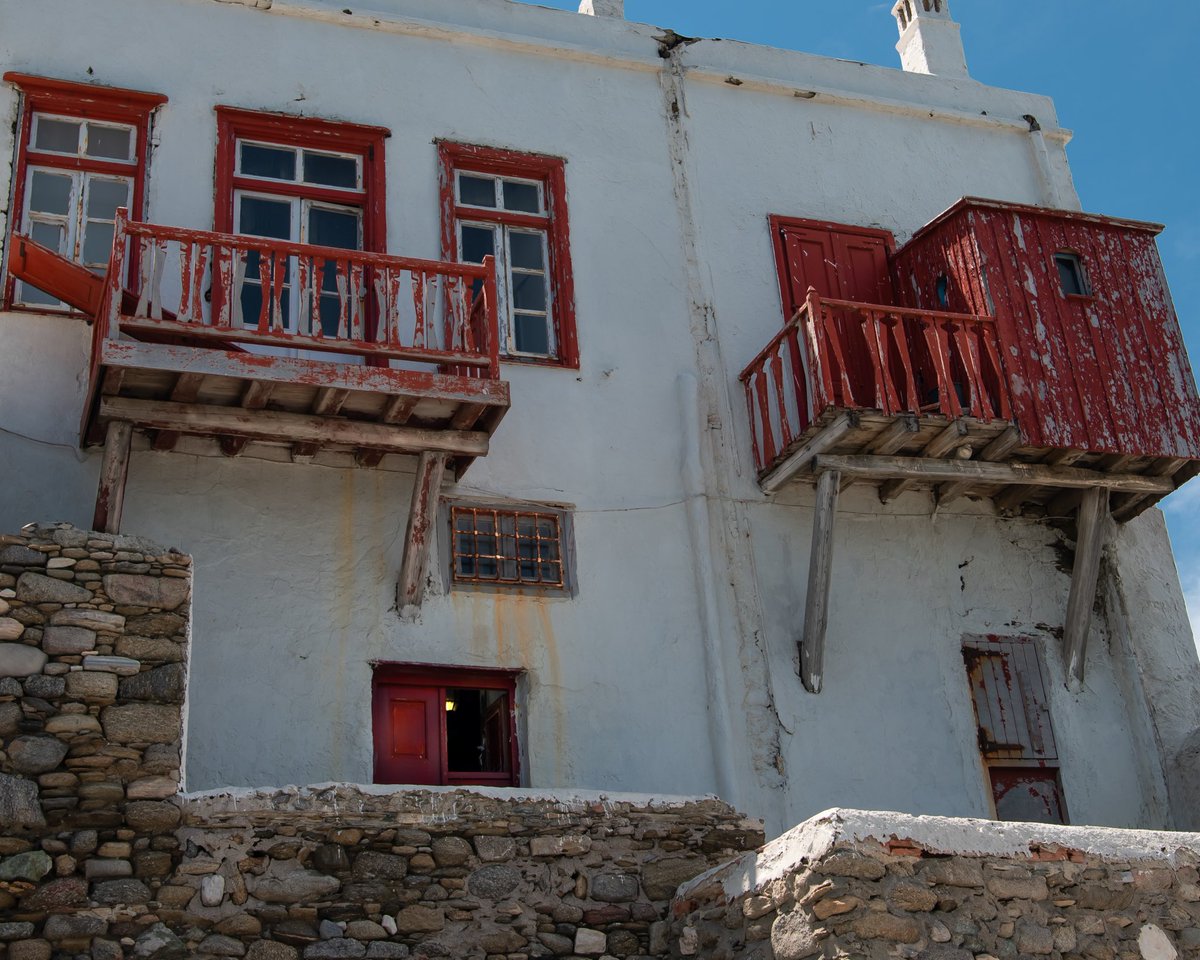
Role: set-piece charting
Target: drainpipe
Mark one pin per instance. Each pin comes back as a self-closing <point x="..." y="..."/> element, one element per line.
<point x="1051" y="194"/>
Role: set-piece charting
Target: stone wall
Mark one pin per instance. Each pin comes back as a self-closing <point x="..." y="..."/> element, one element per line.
<point x="102" y="857"/>
<point x="876" y="885"/>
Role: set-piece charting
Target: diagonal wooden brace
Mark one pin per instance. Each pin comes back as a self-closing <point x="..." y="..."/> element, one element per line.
<point x="427" y="484"/>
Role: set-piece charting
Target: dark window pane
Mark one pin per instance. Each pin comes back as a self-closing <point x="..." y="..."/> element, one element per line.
<point x="477" y="243"/>
<point x="476" y="191"/>
<point x="57" y="136"/>
<point x="109" y="143"/>
<point x="477" y="731"/>
<point x="104" y="196"/>
<point x="485" y="523"/>
<point x="529" y="291"/>
<point x="522" y="197"/>
<point x="278" y="163"/>
<point x="97" y="242"/>
<point x="49" y="235"/>
<point x="526" y="250"/>
<point x="331" y="315"/>
<point x="251" y="304"/>
<point x="266" y="218"/>
<point x="532" y="334"/>
<point x="547" y="528"/>
<point x="333" y="228"/>
<point x="1070" y="274"/>
<point x="330" y="171"/>
<point x="50" y="193"/>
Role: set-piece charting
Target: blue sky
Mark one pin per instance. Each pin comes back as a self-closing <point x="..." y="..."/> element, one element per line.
<point x="1124" y="77"/>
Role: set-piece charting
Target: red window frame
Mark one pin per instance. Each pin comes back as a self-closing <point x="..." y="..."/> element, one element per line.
<point x="435" y="681"/>
<point x="550" y="172"/>
<point x="84" y="101"/>
<point x="364" y="141"/>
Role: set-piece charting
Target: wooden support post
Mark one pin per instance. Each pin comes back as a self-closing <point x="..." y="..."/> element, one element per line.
<point x="431" y="470"/>
<point x="820" y="575"/>
<point x="114" y="469"/>
<point x="1093" y="517"/>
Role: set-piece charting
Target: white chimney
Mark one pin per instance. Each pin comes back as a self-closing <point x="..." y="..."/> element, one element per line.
<point x="603" y="8"/>
<point x="929" y="38"/>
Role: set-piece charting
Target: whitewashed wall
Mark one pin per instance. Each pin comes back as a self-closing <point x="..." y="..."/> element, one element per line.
<point x="675" y="286"/>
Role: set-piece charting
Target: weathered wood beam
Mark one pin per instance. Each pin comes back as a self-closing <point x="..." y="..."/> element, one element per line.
<point x="1093" y="515"/>
<point x="1127" y="506"/>
<point x="397" y="410"/>
<point x="202" y="362"/>
<point x="894" y="436"/>
<point x="949" y="439"/>
<point x="467" y="416"/>
<point x="920" y="470"/>
<point x="803" y="456"/>
<point x="272" y="425"/>
<point x="327" y="403"/>
<point x="431" y="470"/>
<point x="114" y="470"/>
<point x="186" y="390"/>
<point x="257" y="394"/>
<point x="1012" y="498"/>
<point x="994" y="452"/>
<point x="113" y="378"/>
<point x="820" y="577"/>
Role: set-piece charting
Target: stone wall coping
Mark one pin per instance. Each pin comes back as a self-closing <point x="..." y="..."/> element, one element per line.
<point x="251" y="799"/>
<point x="945" y="836"/>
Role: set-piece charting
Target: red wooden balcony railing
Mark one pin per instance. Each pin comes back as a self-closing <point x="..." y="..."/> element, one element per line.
<point x="859" y="356"/>
<point x="225" y="290"/>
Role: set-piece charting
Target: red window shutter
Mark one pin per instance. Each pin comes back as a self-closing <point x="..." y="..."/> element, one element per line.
<point x="408" y="735"/>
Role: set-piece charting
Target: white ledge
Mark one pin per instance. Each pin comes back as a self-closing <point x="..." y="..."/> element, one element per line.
<point x="944" y="836"/>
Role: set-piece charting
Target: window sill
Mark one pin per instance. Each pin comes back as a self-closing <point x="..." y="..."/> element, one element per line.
<point x="541" y="362"/>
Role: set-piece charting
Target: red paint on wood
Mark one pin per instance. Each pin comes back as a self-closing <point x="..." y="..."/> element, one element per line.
<point x="90" y="102"/>
<point x="1106" y="372"/>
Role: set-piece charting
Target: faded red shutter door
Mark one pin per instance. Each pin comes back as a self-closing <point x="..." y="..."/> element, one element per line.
<point x="809" y="261"/>
<point x="862" y="268"/>
<point x="408" y="735"/>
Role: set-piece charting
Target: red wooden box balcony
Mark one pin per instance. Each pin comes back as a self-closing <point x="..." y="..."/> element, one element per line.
<point x="1015" y="387"/>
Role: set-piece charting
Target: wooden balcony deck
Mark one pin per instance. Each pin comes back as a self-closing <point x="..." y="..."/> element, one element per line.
<point x="905" y="399"/>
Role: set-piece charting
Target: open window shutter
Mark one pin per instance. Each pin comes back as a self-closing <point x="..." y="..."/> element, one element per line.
<point x="408" y="736"/>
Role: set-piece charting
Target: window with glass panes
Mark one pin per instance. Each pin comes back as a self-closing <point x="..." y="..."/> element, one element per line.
<point x="82" y="157"/>
<point x="300" y="181"/>
<point x="512" y="206"/>
<point x="505" y="546"/>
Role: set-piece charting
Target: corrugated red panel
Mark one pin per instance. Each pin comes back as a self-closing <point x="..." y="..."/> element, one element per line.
<point x="1106" y="371"/>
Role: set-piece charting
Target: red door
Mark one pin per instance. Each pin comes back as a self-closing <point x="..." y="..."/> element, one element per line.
<point x="840" y="262"/>
<point x="408" y="734"/>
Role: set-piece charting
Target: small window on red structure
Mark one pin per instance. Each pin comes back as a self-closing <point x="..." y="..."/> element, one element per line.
<point x="82" y="152"/>
<point x="1016" y="739"/>
<point x="513" y="206"/>
<point x="299" y="180"/>
<point x="445" y="725"/>
<point x="1071" y="275"/>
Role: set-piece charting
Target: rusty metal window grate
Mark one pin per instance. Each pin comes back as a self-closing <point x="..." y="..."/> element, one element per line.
<point x="514" y="547"/>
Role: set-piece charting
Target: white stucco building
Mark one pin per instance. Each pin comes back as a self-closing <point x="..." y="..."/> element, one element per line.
<point x="617" y="594"/>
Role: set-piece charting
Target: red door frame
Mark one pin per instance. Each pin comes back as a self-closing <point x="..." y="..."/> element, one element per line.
<point x="779" y="224"/>
<point x="433" y="676"/>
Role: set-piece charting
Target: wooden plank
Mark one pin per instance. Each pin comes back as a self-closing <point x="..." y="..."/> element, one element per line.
<point x="187" y="387"/>
<point x="820" y="577"/>
<point x="271" y="425"/>
<point x="1127" y="506"/>
<point x="113" y="378"/>
<point x="431" y="470"/>
<point x="920" y="470"/>
<point x="328" y="403"/>
<point x="949" y="439"/>
<point x="994" y="452"/>
<point x="467" y="416"/>
<point x="1012" y="498"/>
<point x="893" y="437"/>
<point x="114" y="470"/>
<point x="315" y="373"/>
<point x="396" y="410"/>
<point x="1093" y="517"/>
<point x="802" y="457"/>
<point x="257" y="394"/>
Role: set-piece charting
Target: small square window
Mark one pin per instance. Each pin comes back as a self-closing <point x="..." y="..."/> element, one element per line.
<point x="1071" y="275"/>
<point x="507" y="547"/>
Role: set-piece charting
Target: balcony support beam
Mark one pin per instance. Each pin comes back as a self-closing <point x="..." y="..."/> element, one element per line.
<point x="1093" y="519"/>
<point x="953" y="436"/>
<point x="997" y="450"/>
<point x="114" y="471"/>
<point x="272" y="425"/>
<point x="828" y="438"/>
<point x="820" y="577"/>
<point x="920" y="470"/>
<point x="427" y="484"/>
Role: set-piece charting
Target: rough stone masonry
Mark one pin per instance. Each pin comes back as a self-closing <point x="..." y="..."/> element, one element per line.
<point x="101" y="857"/>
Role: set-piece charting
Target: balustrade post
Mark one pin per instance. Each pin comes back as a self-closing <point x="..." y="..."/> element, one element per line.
<point x="492" y="303"/>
